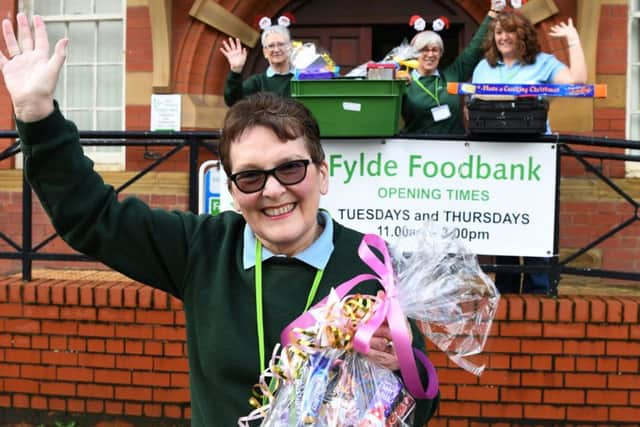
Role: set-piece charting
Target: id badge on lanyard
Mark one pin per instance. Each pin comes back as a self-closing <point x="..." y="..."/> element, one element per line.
<point x="440" y="113"/>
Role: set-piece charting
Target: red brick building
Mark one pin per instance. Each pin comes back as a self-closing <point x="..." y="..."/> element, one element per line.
<point x="173" y="47"/>
<point x="114" y="350"/>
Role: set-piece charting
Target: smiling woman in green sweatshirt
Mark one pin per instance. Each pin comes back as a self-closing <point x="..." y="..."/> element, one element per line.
<point x="242" y="276"/>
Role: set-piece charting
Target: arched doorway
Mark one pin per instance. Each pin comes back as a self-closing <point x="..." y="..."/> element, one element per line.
<point x="368" y="29"/>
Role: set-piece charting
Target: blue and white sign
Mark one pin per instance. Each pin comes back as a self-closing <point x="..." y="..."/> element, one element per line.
<point x="210" y="188"/>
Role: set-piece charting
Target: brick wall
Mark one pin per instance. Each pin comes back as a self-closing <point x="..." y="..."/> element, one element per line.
<point x="583" y="221"/>
<point x="108" y="348"/>
<point x="612" y="40"/>
<point x="611" y="59"/>
<point x="568" y="361"/>
<point x="11" y="227"/>
<point x="139" y="55"/>
<point x="116" y="350"/>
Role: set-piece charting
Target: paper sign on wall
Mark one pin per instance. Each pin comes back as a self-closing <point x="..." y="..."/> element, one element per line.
<point x="165" y="112"/>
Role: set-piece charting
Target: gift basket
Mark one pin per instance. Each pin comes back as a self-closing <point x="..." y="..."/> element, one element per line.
<point x="321" y="375"/>
<point x="321" y="381"/>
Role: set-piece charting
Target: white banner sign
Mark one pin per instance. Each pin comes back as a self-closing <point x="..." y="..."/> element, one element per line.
<point x="498" y="197"/>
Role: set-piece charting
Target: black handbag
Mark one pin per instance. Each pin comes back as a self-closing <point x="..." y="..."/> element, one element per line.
<point x="518" y="116"/>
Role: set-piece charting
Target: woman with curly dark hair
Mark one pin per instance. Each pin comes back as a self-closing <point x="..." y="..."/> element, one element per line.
<point x="513" y="55"/>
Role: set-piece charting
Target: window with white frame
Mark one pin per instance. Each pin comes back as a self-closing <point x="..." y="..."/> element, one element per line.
<point x="633" y="72"/>
<point x="90" y="89"/>
<point x="633" y="84"/>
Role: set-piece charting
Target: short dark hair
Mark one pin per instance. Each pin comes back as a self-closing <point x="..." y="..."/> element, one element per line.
<point x="286" y="117"/>
<point x="528" y="46"/>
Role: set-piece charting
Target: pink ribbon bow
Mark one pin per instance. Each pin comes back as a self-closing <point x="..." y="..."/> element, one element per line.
<point x="389" y="310"/>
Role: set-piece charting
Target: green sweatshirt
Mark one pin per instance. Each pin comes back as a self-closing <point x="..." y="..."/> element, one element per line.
<point x="235" y="89"/>
<point x="196" y="258"/>
<point x="417" y="104"/>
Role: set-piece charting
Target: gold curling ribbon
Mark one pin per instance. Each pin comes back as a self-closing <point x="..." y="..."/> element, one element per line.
<point x="260" y="392"/>
<point x="337" y="338"/>
<point x="353" y="310"/>
<point x="357" y="309"/>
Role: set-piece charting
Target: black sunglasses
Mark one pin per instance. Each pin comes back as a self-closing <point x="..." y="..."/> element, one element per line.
<point x="288" y="173"/>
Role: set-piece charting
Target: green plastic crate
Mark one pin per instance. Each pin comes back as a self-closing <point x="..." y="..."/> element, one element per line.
<point x="345" y="107"/>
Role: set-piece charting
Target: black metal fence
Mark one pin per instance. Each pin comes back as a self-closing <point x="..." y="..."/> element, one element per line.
<point x="28" y="251"/>
<point x="590" y="152"/>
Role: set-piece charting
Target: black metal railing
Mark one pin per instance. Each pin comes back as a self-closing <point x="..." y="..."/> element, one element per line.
<point x="568" y="146"/>
<point x="568" y="149"/>
<point x="28" y="252"/>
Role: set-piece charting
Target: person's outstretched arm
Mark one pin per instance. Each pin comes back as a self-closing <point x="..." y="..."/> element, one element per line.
<point x="236" y="55"/>
<point x="576" y="72"/>
<point x="149" y="245"/>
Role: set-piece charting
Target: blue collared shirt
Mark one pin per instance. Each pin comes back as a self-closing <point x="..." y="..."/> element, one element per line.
<point x="543" y="70"/>
<point x="271" y="72"/>
<point x="415" y="75"/>
<point x="317" y="255"/>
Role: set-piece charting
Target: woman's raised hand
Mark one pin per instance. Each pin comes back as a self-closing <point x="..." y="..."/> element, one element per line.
<point x="577" y="71"/>
<point x="235" y="53"/>
<point x="30" y="75"/>
<point x="566" y="30"/>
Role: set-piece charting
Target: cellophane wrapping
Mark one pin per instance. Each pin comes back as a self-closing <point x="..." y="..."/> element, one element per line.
<point x="341" y="388"/>
<point x="440" y="283"/>
<point x="404" y="55"/>
<point x="320" y="380"/>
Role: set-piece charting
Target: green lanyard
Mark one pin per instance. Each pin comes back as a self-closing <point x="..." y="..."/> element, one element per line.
<point x="259" y="312"/>
<point x="427" y="90"/>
